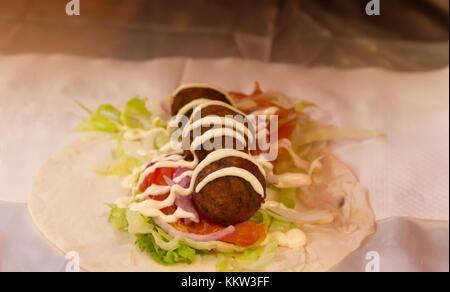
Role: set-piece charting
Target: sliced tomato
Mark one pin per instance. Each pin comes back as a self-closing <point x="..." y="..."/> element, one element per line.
<point x="146" y="182"/>
<point x="157" y="178"/>
<point x="202" y="227"/>
<point x="246" y="233"/>
<point x="160" y="173"/>
<point x="158" y="197"/>
<point x="169" y="210"/>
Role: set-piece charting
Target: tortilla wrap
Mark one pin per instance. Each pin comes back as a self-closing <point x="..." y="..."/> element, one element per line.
<point x="68" y="205"/>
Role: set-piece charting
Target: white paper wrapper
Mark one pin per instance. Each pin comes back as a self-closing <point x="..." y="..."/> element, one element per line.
<point x="406" y="171"/>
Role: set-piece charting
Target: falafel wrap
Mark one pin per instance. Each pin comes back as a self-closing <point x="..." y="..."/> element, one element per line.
<point x="221" y="181"/>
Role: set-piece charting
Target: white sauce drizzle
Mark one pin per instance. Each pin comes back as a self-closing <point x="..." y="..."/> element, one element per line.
<point x="209" y="102"/>
<point x="232" y="171"/>
<point x="214" y="133"/>
<point x="219" y="121"/>
<point x="153" y="190"/>
<point x="222" y="153"/>
<point x="174" y="121"/>
<point x="178" y="179"/>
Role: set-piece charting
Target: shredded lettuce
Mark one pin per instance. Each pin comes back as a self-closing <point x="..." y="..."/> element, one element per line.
<point x="108" y="118"/>
<point x="262" y="217"/>
<point x="160" y="140"/>
<point x="159" y="123"/>
<point x="118" y="217"/>
<point x="250" y="260"/>
<point x="162" y="247"/>
<point x="286" y="196"/>
<point x="285" y="163"/>
<point x="123" y="165"/>
<point x="303" y="105"/>
<point x="307" y="136"/>
<point x="281" y="225"/>
<point x="138" y="223"/>
<point x="136" y="114"/>
<point x="99" y="121"/>
<point x="183" y="254"/>
<point x="273" y="224"/>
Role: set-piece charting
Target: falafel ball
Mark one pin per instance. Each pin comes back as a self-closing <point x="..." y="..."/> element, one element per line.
<point x="229" y="200"/>
<point x="187" y="95"/>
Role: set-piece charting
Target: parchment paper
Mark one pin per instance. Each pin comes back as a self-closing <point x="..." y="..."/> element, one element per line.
<point x="406" y="171"/>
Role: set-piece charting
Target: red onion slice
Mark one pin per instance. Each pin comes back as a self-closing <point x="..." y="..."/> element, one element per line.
<point x="168" y="181"/>
<point x="197" y="237"/>
<point x="186" y="203"/>
<point x="185" y="182"/>
<point x="179" y="171"/>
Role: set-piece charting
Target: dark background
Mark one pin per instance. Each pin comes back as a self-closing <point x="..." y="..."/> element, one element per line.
<point x="408" y="35"/>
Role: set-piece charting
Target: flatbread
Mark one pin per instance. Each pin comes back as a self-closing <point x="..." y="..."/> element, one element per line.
<point x="68" y="205"/>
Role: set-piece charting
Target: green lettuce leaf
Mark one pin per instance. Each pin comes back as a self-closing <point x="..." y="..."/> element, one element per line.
<point x="104" y="119"/>
<point x="136" y="114"/>
<point x="182" y="254"/>
<point x="108" y="118"/>
<point x="118" y="217"/>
